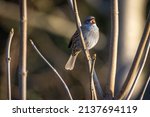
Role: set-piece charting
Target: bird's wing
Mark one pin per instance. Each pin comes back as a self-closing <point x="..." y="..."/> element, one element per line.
<point x="75" y="35"/>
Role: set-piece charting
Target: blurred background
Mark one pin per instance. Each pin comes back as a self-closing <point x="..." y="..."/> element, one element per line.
<point x="50" y="26"/>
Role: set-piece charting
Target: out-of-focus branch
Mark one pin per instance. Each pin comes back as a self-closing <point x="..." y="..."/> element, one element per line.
<point x="113" y="47"/>
<point x="146" y="85"/>
<point x="48" y="23"/>
<point x="23" y="49"/>
<point x="86" y="52"/>
<point x="93" y="90"/>
<point x="8" y="60"/>
<point x="136" y="62"/>
<point x="70" y="2"/>
<point x="140" y="69"/>
<point x="61" y="79"/>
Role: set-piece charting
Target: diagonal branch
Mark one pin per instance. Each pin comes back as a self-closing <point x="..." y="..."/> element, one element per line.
<point x="146" y="85"/>
<point x="140" y="69"/>
<point x="136" y="62"/>
<point x="8" y="60"/>
<point x="61" y="79"/>
<point x="86" y="51"/>
<point x="113" y="47"/>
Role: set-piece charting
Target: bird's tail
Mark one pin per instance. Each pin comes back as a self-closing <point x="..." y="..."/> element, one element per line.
<point x="71" y="62"/>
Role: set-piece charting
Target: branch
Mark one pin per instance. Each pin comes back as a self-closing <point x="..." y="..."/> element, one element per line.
<point x="8" y="60"/>
<point x="140" y="69"/>
<point x="61" y="79"/>
<point x="23" y="49"/>
<point x="48" y="22"/>
<point x="86" y="51"/>
<point x="113" y="47"/>
<point x="70" y="2"/>
<point x="93" y="90"/>
<point x="146" y="85"/>
<point x="136" y="62"/>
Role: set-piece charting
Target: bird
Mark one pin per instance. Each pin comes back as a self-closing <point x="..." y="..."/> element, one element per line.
<point x="90" y="33"/>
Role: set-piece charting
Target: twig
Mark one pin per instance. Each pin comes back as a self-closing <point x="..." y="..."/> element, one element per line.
<point x="140" y="69"/>
<point x="86" y="52"/>
<point x="8" y="60"/>
<point x="113" y="47"/>
<point x="137" y="59"/>
<point x="70" y="2"/>
<point x="23" y="49"/>
<point x="93" y="90"/>
<point x="61" y="79"/>
<point x="78" y="24"/>
<point x="146" y="85"/>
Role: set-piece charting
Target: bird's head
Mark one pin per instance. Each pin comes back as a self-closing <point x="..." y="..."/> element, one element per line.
<point x="90" y="20"/>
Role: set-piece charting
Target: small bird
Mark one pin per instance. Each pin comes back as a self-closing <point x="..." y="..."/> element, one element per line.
<point x="90" y="33"/>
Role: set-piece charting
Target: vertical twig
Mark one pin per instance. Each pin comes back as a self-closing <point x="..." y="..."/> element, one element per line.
<point x="78" y="24"/>
<point x="23" y="49"/>
<point x="93" y="90"/>
<point x="113" y="47"/>
<point x="70" y="2"/>
<point x="146" y="85"/>
<point x="86" y="52"/>
<point x="8" y="61"/>
<point x="61" y="79"/>
<point x="137" y="59"/>
<point x="140" y="69"/>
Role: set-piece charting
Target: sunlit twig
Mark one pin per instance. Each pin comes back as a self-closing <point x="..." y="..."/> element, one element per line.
<point x="113" y="47"/>
<point x="93" y="90"/>
<point x="146" y="85"/>
<point x="61" y="79"/>
<point x="8" y="61"/>
<point x="23" y="50"/>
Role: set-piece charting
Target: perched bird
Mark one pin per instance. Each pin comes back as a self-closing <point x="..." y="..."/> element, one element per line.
<point x="90" y="33"/>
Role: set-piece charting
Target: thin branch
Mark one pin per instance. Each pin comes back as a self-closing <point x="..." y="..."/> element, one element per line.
<point x="70" y="2"/>
<point x="86" y="52"/>
<point x="140" y="69"/>
<point x="93" y="90"/>
<point x="78" y="24"/>
<point x="113" y="47"/>
<point x="8" y="61"/>
<point x="23" y="49"/>
<point x="136" y="62"/>
<point x="61" y="79"/>
<point x="146" y="85"/>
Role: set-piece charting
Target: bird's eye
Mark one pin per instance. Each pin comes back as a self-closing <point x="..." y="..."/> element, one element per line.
<point x="92" y="21"/>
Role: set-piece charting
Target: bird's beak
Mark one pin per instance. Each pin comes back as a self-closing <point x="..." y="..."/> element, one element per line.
<point x="92" y="21"/>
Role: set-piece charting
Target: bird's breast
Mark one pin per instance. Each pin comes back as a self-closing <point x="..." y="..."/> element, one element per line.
<point x="91" y="37"/>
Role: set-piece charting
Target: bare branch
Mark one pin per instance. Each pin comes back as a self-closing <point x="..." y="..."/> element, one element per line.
<point x="93" y="90"/>
<point x="113" y="47"/>
<point x="61" y="79"/>
<point x="23" y="49"/>
<point x="146" y="85"/>
<point x="136" y="62"/>
<point x="140" y="69"/>
<point x="86" y="51"/>
<point x="71" y="4"/>
<point x="8" y="60"/>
